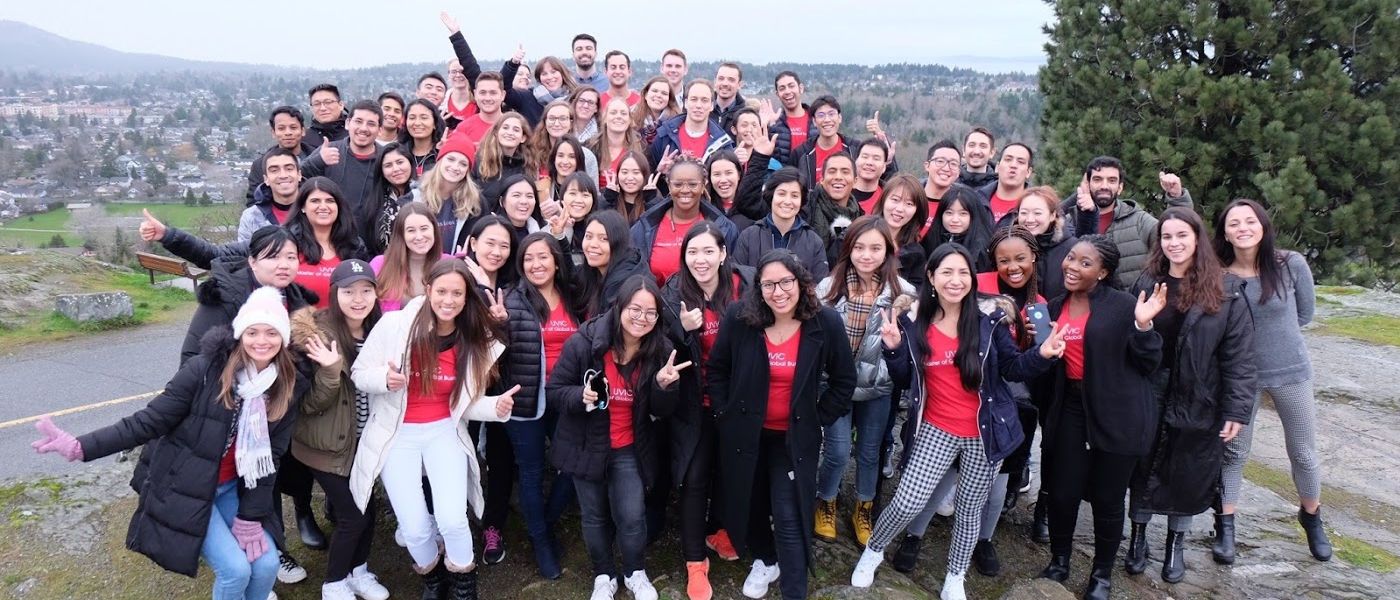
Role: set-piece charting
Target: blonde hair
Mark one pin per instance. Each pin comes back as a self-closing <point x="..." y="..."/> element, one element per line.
<point x="466" y="198"/>
<point x="631" y="140"/>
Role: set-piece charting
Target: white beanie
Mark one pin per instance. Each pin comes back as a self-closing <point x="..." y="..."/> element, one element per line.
<point x="264" y="306"/>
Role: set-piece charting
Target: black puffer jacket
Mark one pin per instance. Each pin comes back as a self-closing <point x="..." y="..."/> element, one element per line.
<point x="318" y="132"/>
<point x="685" y="422"/>
<point x="523" y="361"/>
<point x="783" y="150"/>
<point x="229" y="284"/>
<point x="629" y="264"/>
<point x="581" y="440"/>
<point x="1212" y="381"/>
<point x="493" y="188"/>
<point x="193" y="428"/>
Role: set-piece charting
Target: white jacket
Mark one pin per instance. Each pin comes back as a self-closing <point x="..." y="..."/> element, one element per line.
<point x="388" y="341"/>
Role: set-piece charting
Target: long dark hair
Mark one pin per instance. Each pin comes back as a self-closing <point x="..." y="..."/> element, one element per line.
<point x="562" y="278"/>
<point x="439" y="126"/>
<point x="619" y="241"/>
<point x="506" y="276"/>
<point x="691" y="292"/>
<point x="755" y="312"/>
<point x="476" y="330"/>
<point x="1204" y="284"/>
<point x="381" y="187"/>
<point x="979" y="229"/>
<point x="632" y="211"/>
<point x="966" y="359"/>
<point x="343" y="234"/>
<point x="1271" y="283"/>
<point x="579" y="162"/>
<point x="888" y="269"/>
<point x="726" y="155"/>
<point x="651" y="353"/>
<point x="332" y="320"/>
<point x="909" y="233"/>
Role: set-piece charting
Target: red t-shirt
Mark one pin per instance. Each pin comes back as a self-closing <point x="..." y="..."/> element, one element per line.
<point x="868" y="205"/>
<point x="633" y="97"/>
<point x="279" y="213"/>
<point x="666" y="248"/>
<point x="782" y="369"/>
<point x="556" y="329"/>
<point x="474" y="128"/>
<point x="620" y="434"/>
<point x="461" y="112"/>
<point x="1001" y="206"/>
<point x="823" y="154"/>
<point x="317" y="278"/>
<point x="693" y="146"/>
<point x="798" y="127"/>
<point x="228" y="468"/>
<point x="1105" y="220"/>
<point x="948" y="406"/>
<point x="434" y="406"/>
<point x="1074" y="341"/>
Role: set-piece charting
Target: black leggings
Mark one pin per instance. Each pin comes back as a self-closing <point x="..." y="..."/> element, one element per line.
<point x="1077" y="473"/>
<point x="699" y="486"/>
<point x="354" y="531"/>
<point x="500" y="476"/>
<point x="293" y="479"/>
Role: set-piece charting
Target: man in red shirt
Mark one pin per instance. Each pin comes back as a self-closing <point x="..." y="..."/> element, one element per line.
<point x="811" y="156"/>
<point x="1013" y="170"/>
<point x="490" y="93"/>
<point x="871" y="158"/>
<point x="795" y="124"/>
<point x="942" y="170"/>
<point x="692" y="134"/>
<point x="618" y="67"/>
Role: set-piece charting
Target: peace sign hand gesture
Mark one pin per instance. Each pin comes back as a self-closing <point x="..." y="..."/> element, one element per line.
<point x="152" y="230"/>
<point x="691" y="319"/>
<point x="318" y="351"/>
<point x="1054" y="346"/>
<point x="889" y="330"/>
<point x="668" y="158"/>
<point x="497" y="302"/>
<point x="651" y="182"/>
<point x="559" y="224"/>
<point x="670" y="372"/>
<point x="1148" y="307"/>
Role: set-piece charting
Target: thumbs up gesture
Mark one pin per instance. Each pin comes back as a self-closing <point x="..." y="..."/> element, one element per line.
<point x="691" y="319"/>
<point x="396" y="380"/>
<point x="872" y="125"/>
<point x="506" y="402"/>
<point x="519" y="56"/>
<point x="152" y="230"/>
<point x="330" y="154"/>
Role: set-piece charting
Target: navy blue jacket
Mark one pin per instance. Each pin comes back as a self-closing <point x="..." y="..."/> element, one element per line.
<point x="644" y="230"/>
<point x="668" y="135"/>
<point x="996" y="418"/>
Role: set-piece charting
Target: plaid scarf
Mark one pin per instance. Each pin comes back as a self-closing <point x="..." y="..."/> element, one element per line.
<point x="858" y="307"/>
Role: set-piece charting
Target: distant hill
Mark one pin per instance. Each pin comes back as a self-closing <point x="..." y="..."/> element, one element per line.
<point x="25" y="47"/>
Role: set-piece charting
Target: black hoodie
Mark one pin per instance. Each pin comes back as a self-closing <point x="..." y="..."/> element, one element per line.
<point x="318" y="132"/>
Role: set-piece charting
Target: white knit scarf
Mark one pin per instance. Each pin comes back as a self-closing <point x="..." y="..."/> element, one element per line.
<point x="253" y="453"/>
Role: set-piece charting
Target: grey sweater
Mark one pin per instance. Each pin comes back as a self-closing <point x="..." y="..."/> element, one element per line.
<point x="1281" y="355"/>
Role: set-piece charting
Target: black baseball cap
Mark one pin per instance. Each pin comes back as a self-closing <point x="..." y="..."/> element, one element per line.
<point x="351" y="271"/>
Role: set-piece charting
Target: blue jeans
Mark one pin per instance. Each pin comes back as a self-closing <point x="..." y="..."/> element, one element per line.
<point x="234" y="577"/>
<point x="616" y="500"/>
<point x="775" y="516"/>
<point x="527" y="438"/>
<point x="870" y="418"/>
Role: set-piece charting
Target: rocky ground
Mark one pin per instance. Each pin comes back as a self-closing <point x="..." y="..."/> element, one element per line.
<point x="62" y="537"/>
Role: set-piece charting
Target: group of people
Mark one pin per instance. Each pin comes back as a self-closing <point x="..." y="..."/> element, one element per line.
<point x="675" y="304"/>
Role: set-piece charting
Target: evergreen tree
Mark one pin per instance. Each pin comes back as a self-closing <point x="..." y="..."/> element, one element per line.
<point x="1292" y="103"/>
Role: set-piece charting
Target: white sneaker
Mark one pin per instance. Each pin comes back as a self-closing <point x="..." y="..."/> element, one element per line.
<point x="339" y="590"/>
<point x="949" y="504"/>
<point x="288" y="570"/>
<point x="864" y="575"/>
<point x="604" y="588"/>
<point x="366" y="585"/>
<point x="640" y="586"/>
<point x="756" y="584"/>
<point x="272" y="596"/>
<point x="953" y="587"/>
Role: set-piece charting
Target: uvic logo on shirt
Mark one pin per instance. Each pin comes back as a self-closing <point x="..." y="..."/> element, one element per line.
<point x="780" y="360"/>
<point x="933" y="361"/>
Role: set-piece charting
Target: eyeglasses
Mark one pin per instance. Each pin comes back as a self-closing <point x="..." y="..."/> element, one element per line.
<point x="637" y="313"/>
<point x="826" y="114"/>
<point x="943" y="163"/>
<point x="685" y="183"/>
<point x="559" y="119"/>
<point x="455" y="72"/>
<point x="324" y="103"/>
<point x="785" y="284"/>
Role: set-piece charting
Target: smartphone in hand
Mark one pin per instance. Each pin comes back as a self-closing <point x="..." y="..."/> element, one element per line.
<point x="1039" y="315"/>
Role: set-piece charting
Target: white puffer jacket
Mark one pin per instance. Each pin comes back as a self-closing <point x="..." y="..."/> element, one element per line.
<point x="388" y="341"/>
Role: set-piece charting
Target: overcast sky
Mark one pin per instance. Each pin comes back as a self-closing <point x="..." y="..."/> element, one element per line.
<point x="991" y="36"/>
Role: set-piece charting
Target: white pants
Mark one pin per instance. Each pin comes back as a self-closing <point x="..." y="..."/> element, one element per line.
<point x="430" y="448"/>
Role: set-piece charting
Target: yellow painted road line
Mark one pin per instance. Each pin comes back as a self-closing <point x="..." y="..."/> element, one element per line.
<point x="77" y="409"/>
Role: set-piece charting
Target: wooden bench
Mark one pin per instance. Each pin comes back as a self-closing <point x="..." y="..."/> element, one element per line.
<point x="174" y="266"/>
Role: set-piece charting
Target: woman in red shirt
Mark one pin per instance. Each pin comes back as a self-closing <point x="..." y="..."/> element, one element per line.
<point x="542" y="312"/>
<point x="957" y="355"/>
<point x="616" y="377"/>
<point x="780" y="339"/>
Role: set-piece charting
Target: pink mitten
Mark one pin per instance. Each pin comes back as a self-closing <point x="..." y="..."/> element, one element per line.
<point x="249" y="535"/>
<point x="56" y="440"/>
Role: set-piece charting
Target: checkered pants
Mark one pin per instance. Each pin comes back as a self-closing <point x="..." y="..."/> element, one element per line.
<point x="932" y="456"/>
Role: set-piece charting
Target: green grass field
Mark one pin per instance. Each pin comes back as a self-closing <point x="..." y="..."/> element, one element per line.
<point x="176" y="215"/>
<point x="33" y="230"/>
<point x="46" y="223"/>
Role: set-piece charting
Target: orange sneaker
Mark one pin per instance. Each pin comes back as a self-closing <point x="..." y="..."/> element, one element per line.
<point x="719" y="542"/>
<point x="697" y="585"/>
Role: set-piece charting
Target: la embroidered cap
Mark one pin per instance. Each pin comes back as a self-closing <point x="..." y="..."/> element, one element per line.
<point x="351" y="271"/>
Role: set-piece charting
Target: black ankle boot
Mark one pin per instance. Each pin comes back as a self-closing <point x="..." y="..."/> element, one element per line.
<point x="1100" y="583"/>
<point x="311" y="535"/>
<point x="1318" y="544"/>
<point x="435" y="582"/>
<point x="1058" y="569"/>
<point x="1040" y="524"/>
<point x="1224" y="548"/>
<point x="1174" y="563"/>
<point x="1136" y="560"/>
<point x="462" y="585"/>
